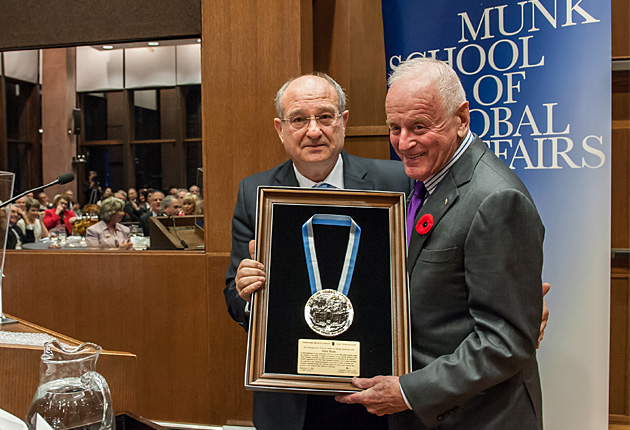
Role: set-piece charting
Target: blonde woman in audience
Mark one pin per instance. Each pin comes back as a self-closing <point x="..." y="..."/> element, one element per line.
<point x="108" y="233"/>
<point x="31" y="217"/>
<point x="192" y="205"/>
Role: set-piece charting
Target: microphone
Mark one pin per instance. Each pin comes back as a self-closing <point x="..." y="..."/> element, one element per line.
<point x="61" y="179"/>
<point x="184" y="244"/>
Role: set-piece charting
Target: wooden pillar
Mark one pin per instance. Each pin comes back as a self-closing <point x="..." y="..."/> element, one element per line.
<point x="58" y="100"/>
<point x="249" y="49"/>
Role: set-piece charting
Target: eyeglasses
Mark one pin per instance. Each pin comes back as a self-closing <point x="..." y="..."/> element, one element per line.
<point x="298" y="122"/>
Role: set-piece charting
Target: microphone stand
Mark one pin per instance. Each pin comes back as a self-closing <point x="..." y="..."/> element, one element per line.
<point x="8" y="202"/>
<point x="3" y="319"/>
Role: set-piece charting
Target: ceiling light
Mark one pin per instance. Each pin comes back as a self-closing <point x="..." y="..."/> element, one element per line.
<point x="108" y="47"/>
<point x="154" y="43"/>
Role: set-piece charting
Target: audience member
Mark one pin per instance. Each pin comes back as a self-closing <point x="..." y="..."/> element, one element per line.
<point x="194" y="189"/>
<point x="33" y="220"/>
<point x="171" y="206"/>
<point x="21" y="203"/>
<point x="132" y="206"/>
<point x="106" y="194"/>
<point x="108" y="233"/>
<point x="154" y="202"/>
<point x="44" y="202"/>
<point x="121" y="194"/>
<point x="143" y="200"/>
<point x="15" y="236"/>
<point x="181" y="193"/>
<point x="70" y="195"/>
<point x="93" y="190"/>
<point x="173" y="191"/>
<point x="59" y="215"/>
<point x="191" y="205"/>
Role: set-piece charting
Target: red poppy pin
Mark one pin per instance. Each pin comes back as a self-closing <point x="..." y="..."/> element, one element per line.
<point x="424" y="224"/>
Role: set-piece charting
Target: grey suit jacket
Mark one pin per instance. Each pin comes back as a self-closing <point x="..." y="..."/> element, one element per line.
<point x="282" y="410"/>
<point x="476" y="302"/>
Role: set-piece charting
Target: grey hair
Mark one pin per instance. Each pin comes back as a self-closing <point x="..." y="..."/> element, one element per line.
<point x="109" y="207"/>
<point x="167" y="202"/>
<point x="341" y="95"/>
<point x="449" y="86"/>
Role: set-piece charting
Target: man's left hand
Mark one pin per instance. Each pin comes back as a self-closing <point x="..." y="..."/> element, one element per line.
<point x="381" y="395"/>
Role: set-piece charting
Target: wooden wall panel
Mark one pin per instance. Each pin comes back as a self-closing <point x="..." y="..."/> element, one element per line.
<point x="348" y="45"/>
<point x="619" y="379"/>
<point x="152" y="304"/>
<point x="620" y="188"/>
<point x="619" y="345"/>
<point x="226" y="353"/>
<point x="620" y="28"/>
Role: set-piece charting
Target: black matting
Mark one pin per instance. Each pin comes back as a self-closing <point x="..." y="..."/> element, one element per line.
<point x="289" y="288"/>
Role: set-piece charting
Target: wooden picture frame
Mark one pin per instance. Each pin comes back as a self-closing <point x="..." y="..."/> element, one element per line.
<point x="280" y="339"/>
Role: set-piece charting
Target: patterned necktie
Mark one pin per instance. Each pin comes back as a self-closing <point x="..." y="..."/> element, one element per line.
<point x="323" y="185"/>
<point x="416" y="202"/>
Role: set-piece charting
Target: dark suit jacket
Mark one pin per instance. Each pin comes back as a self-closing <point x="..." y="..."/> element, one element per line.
<point x="283" y="410"/>
<point x="144" y="222"/>
<point x="12" y="240"/>
<point x="476" y="302"/>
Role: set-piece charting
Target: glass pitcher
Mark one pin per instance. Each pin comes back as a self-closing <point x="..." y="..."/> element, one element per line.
<point x="71" y="394"/>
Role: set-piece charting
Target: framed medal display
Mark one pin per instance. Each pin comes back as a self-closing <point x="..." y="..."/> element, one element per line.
<point x="335" y="303"/>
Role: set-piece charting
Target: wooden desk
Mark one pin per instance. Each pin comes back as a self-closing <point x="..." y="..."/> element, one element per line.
<point x="20" y="364"/>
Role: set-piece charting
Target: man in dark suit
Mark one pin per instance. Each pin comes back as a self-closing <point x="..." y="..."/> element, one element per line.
<point x="311" y="125"/>
<point x="474" y="262"/>
<point x="15" y="237"/>
<point x="155" y="203"/>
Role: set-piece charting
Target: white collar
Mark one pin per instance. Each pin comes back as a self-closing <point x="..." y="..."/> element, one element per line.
<point x="334" y="178"/>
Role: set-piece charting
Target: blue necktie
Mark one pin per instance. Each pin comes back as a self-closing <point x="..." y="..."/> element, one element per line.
<point x="323" y="185"/>
<point x="416" y="203"/>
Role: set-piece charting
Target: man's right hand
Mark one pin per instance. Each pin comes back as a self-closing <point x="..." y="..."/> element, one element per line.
<point x="250" y="275"/>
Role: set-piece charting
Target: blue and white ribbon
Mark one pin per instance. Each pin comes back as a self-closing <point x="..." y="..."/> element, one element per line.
<point x="354" y="237"/>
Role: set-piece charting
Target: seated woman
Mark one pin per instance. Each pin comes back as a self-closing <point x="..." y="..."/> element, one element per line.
<point x="192" y="205"/>
<point x="60" y="214"/>
<point x="108" y="233"/>
<point x="31" y="218"/>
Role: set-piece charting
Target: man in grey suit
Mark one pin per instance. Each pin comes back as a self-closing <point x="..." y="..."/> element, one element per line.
<point x="474" y="262"/>
<point x="311" y="124"/>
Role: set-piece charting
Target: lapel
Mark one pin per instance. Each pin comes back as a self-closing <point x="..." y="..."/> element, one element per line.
<point x="355" y="174"/>
<point x="444" y="197"/>
<point x="286" y="176"/>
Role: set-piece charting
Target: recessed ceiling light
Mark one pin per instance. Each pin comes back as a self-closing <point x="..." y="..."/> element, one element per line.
<point x="198" y="40"/>
<point x="108" y="47"/>
<point x="154" y="43"/>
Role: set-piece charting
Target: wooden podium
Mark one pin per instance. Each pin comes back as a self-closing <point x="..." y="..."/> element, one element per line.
<point x="177" y="232"/>
<point x="20" y="365"/>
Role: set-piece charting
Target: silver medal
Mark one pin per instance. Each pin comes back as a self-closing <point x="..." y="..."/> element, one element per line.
<point x="329" y="313"/>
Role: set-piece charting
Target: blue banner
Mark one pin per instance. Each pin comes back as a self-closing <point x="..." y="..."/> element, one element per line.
<point x="537" y="74"/>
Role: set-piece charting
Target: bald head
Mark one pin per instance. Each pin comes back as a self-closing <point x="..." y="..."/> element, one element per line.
<point x="312" y="77"/>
